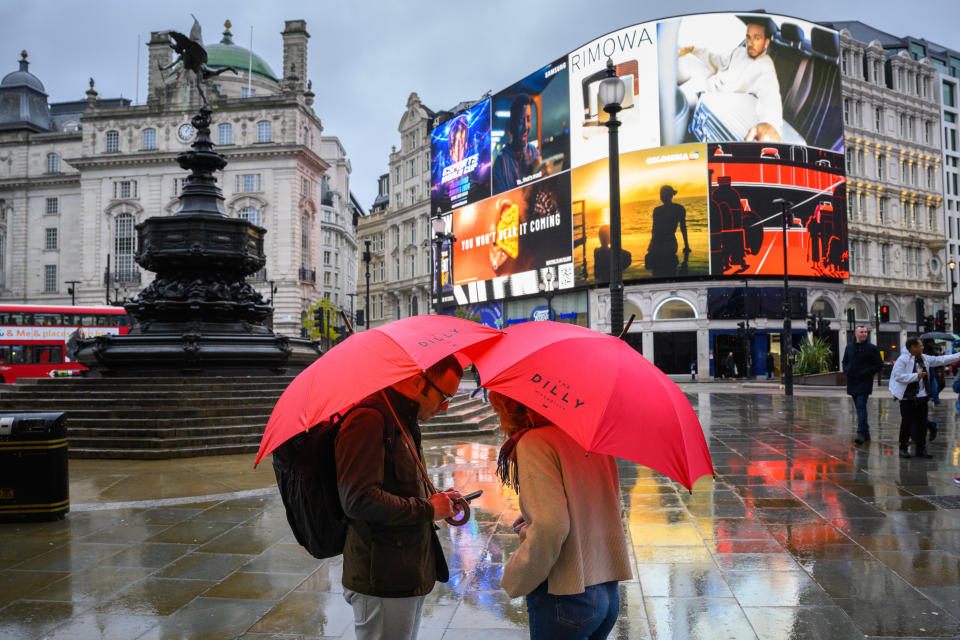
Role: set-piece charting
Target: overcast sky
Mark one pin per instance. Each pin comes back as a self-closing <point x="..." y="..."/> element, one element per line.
<point x="366" y="57"/>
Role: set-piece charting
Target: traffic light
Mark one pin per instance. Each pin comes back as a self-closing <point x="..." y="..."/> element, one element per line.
<point x="921" y="313"/>
<point x="359" y="318"/>
<point x="741" y="329"/>
<point x="941" y="323"/>
<point x="823" y="327"/>
<point x="318" y="318"/>
<point x="928" y="323"/>
<point x="812" y="325"/>
<point x="884" y="313"/>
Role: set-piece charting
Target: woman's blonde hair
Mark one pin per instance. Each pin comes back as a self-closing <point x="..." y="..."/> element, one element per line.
<point x="515" y="415"/>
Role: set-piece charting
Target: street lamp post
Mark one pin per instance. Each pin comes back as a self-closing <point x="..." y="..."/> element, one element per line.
<point x="786" y="338"/>
<point x="953" y="300"/>
<point x="366" y="259"/>
<point x="547" y="288"/>
<point x="438" y="230"/>
<point x="611" y="93"/>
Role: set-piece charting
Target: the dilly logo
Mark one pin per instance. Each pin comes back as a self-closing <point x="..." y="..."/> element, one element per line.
<point x="437" y="338"/>
<point x="560" y="392"/>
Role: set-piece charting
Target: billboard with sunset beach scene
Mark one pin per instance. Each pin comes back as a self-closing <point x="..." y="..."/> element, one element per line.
<point x="723" y="114"/>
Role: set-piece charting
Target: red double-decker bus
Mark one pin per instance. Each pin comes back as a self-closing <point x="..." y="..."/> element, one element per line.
<point x="33" y="338"/>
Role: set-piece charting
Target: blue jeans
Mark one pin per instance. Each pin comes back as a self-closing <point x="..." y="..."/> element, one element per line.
<point x="583" y="616"/>
<point x="860" y="402"/>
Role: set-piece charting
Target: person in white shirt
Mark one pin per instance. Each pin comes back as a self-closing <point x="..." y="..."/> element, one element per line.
<point x="910" y="385"/>
<point x="748" y="69"/>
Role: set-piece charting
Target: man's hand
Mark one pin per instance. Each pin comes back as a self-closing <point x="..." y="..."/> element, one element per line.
<point x="520" y="526"/>
<point x="921" y="375"/>
<point x="443" y="505"/>
<point x="763" y="132"/>
<point x="682" y="51"/>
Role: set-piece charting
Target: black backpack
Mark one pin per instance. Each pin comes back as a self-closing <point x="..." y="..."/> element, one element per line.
<point x="306" y="471"/>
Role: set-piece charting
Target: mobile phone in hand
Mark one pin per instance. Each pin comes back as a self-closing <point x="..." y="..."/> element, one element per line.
<point x="474" y="495"/>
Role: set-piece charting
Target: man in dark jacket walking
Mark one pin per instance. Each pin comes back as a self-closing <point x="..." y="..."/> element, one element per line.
<point x="861" y="361"/>
<point x="392" y="556"/>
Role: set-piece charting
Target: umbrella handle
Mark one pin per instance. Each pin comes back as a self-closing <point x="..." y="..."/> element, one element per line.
<point x="626" y="327"/>
<point x="464" y="511"/>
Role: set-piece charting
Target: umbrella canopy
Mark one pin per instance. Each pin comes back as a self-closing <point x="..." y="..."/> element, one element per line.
<point x="939" y="335"/>
<point x="595" y="387"/>
<point x="362" y="364"/>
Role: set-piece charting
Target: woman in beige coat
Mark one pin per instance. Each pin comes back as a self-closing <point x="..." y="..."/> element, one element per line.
<point x="572" y="549"/>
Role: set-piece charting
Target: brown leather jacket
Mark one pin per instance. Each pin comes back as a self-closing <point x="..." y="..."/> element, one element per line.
<point x="392" y="549"/>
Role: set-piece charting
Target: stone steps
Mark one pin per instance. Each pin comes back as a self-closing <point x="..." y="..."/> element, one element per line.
<point x="184" y="417"/>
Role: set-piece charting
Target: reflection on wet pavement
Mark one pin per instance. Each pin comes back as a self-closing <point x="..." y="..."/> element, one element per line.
<point x="800" y="535"/>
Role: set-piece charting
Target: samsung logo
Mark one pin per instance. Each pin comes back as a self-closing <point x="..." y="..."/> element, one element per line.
<point x="673" y="157"/>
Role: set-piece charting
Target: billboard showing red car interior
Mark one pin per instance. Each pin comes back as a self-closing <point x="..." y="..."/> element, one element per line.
<point x="723" y="114"/>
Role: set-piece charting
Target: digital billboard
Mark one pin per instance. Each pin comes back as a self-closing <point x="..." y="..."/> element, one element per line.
<point x="663" y="215"/>
<point x="723" y="113"/>
<point x="531" y="128"/>
<point x="746" y="229"/>
<point x="460" y="159"/>
<point x="512" y="243"/>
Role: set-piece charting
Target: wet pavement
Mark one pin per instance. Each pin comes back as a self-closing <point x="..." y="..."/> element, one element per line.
<point x="800" y="535"/>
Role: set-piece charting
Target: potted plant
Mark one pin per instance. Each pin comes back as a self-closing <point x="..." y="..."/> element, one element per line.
<point x="812" y="362"/>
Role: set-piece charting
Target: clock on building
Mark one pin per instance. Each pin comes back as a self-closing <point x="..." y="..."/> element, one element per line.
<point x="185" y="132"/>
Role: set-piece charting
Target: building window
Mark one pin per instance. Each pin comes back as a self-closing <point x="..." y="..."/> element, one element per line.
<point x="396" y="268"/>
<point x="412" y="305"/>
<point x="49" y="278"/>
<point x="413" y="167"/>
<point x="413" y="265"/>
<point x="306" y="137"/>
<point x="884" y="258"/>
<point x="396" y="176"/>
<point x="247" y="93"/>
<point x="326" y="278"/>
<point x="53" y="163"/>
<point x="930" y="177"/>
<point x="326" y="257"/>
<point x="53" y="206"/>
<point x="854" y="257"/>
<point x="3" y="256"/>
<point x="412" y="195"/>
<point x="250" y="214"/>
<point x="881" y="161"/>
<point x="398" y="200"/>
<point x="304" y="240"/>
<point x="264" y="131"/>
<point x="878" y="120"/>
<point x="123" y="247"/>
<point x="125" y="189"/>
<point x="225" y="134"/>
<point x="248" y="182"/>
<point x="113" y="141"/>
<point x="846" y="102"/>
<point x="149" y="139"/>
<point x="882" y="210"/>
<point x="50" y="238"/>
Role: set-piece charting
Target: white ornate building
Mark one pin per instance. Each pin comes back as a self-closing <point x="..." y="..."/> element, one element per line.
<point x="895" y="177"/>
<point x="76" y="178"/>
<point x="398" y="226"/>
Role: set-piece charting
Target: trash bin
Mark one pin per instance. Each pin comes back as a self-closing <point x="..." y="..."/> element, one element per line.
<point x="33" y="466"/>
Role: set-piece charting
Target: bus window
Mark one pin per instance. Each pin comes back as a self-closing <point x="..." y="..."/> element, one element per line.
<point x="122" y="321"/>
<point x="48" y="319"/>
<point x="88" y="320"/>
<point x="16" y="355"/>
<point x="103" y="321"/>
<point x="16" y="318"/>
<point x="4" y="354"/>
<point x="44" y="354"/>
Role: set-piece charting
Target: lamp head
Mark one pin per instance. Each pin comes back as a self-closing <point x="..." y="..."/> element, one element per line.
<point x="952" y="264"/>
<point x="611" y="91"/>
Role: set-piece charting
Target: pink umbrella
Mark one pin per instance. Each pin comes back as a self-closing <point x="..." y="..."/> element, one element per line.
<point x="362" y="364"/>
<point x="608" y="397"/>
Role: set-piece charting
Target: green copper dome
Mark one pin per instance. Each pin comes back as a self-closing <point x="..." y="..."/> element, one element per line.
<point x="227" y="54"/>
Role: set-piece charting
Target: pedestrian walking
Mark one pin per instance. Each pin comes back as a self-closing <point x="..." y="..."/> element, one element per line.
<point x="730" y="365"/>
<point x="476" y="379"/>
<point x="392" y="557"/>
<point x="861" y="361"/>
<point x="910" y="384"/>
<point x="572" y="551"/>
<point x="770" y="365"/>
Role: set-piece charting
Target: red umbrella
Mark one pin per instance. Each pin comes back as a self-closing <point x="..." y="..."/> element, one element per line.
<point x="362" y="364"/>
<point x="595" y="387"/>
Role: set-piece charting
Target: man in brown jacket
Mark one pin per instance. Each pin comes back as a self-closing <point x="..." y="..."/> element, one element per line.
<point x="392" y="556"/>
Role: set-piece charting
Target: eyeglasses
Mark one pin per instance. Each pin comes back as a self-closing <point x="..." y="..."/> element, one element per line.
<point x="446" y="396"/>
